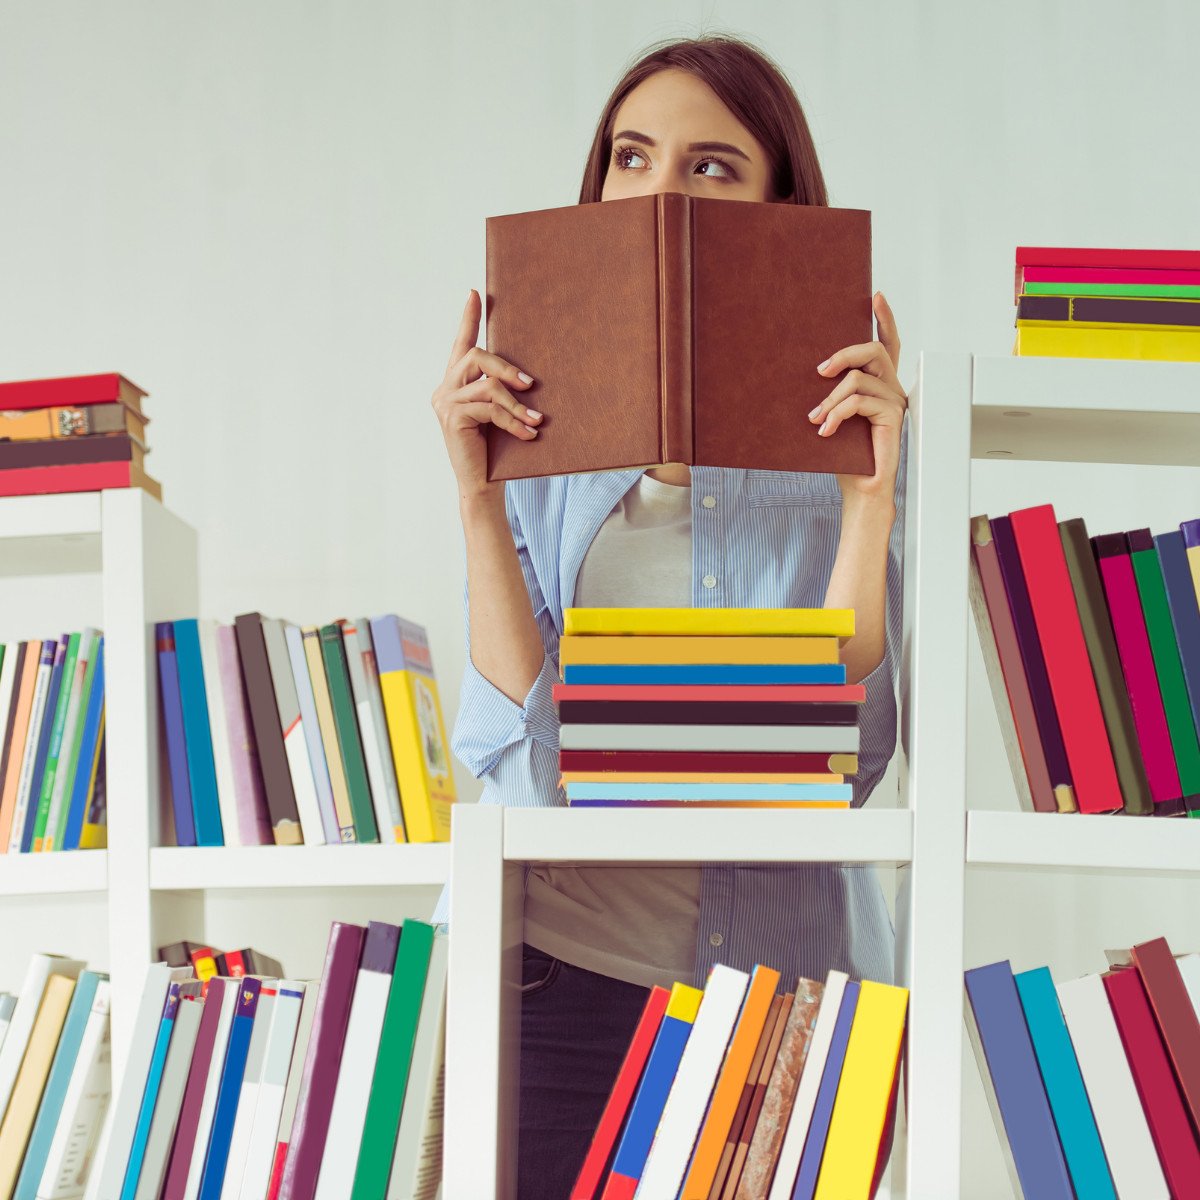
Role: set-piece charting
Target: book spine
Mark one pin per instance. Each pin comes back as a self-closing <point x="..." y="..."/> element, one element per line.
<point x="251" y="1090"/>
<point x="329" y="737"/>
<point x="85" y="678"/>
<point x="291" y="1092"/>
<point x="202" y="769"/>
<point x="69" y="684"/>
<point x="14" y="657"/>
<point x="675" y="326"/>
<point x="49" y="737"/>
<point x="172" y="711"/>
<point x="37" y="708"/>
<point x="56" y="452"/>
<point x="1185" y="613"/>
<point x="379" y="719"/>
<point x="1081" y="341"/>
<point x="366" y="730"/>
<point x="214" y="693"/>
<point x="1108" y="258"/>
<point x="17" y="735"/>
<point x="312" y="734"/>
<point x="353" y="763"/>
<point x="253" y="820"/>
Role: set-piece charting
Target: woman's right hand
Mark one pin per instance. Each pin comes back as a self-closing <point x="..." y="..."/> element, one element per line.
<point x="474" y="394"/>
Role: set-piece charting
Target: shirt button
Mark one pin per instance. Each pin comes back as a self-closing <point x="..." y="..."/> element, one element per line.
<point x="709" y="502"/>
<point x="715" y="939"/>
<point x="709" y="581"/>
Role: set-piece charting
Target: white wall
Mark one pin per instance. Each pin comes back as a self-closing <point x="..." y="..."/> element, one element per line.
<point x="268" y="214"/>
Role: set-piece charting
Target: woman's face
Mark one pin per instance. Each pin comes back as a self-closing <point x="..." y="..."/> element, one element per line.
<point x="672" y="134"/>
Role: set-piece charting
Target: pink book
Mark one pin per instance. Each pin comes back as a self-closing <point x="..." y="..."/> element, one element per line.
<point x="1137" y="663"/>
<point x="254" y="824"/>
<point x="1142" y="276"/>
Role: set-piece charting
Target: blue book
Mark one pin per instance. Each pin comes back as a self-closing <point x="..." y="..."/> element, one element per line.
<point x="197" y="735"/>
<point x="88" y="745"/>
<point x="172" y="711"/>
<point x="704" y="673"/>
<point x="708" y="791"/>
<point x="1013" y="1082"/>
<point x="1185" y="611"/>
<point x="831" y="1076"/>
<point x="56" y="1085"/>
<point x="43" y="750"/>
<point x="1065" y="1088"/>
<point x="230" y="1088"/>
<point x="141" y="1131"/>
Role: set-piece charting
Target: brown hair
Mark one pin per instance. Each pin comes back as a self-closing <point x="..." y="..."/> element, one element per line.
<point x="752" y="86"/>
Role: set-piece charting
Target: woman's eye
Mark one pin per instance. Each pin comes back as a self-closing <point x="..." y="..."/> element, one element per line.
<point x="623" y="155"/>
<point x="725" y="172"/>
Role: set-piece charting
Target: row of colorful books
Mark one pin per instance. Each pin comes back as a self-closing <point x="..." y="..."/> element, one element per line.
<point x="1096" y="303"/>
<point x="277" y="733"/>
<point x="52" y="777"/>
<point x="1094" y="1083"/>
<point x="1092" y="647"/>
<point x="80" y="433"/>
<point x="663" y="707"/>
<point x="736" y="1092"/>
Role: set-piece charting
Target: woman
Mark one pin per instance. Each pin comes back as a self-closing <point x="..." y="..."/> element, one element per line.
<point x="711" y="117"/>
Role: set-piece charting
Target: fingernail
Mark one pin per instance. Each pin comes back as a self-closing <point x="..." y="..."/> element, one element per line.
<point x="524" y="378"/>
<point x="812" y="416"/>
<point x="537" y="416"/>
<point x="533" y="432"/>
<point x="823" y="365"/>
<point x="824" y="427"/>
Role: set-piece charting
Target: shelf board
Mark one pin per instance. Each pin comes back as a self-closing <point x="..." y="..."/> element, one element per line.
<point x="62" y="872"/>
<point x="1074" y="842"/>
<point x="1085" y="410"/>
<point x="713" y="835"/>
<point x="50" y="535"/>
<point x="174" y="868"/>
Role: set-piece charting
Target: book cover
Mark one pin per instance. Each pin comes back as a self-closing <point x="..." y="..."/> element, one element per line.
<point x="734" y="649"/>
<point x="197" y="729"/>
<point x="211" y="670"/>
<point x="311" y="640"/>
<point x="312" y="734"/>
<point x="46" y="736"/>
<point x="89" y="477"/>
<point x="379" y="721"/>
<point x="247" y="1101"/>
<point x="94" y="833"/>
<point x="253" y="820"/>
<point x="1185" y="611"/>
<point x="76" y="802"/>
<point x="710" y="622"/>
<point x="291" y="1093"/>
<point x="71" y="390"/>
<point x="172" y="714"/>
<point x="704" y="299"/>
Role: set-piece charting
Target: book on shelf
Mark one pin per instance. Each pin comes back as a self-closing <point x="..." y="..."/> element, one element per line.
<point x="283" y="734"/>
<point x="1092" y="652"/>
<point x="1108" y="303"/>
<point x="80" y="433"/>
<point x="702" y="297"/>
<point x="1094" y="1081"/>
<point x="52" y="754"/>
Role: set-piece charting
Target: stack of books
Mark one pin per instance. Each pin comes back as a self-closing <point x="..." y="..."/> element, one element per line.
<point x="254" y="1086"/>
<point x="739" y="1093"/>
<point x="77" y="434"/>
<point x="282" y="734"/>
<point x="55" y="1064"/>
<point x="52" y="779"/>
<point x="1092" y="648"/>
<point x="1108" y="303"/>
<point x="207" y="962"/>
<point x="745" y="707"/>
<point x="1094" y="1084"/>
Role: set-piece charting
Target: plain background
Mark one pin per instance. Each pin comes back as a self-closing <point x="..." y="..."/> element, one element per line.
<point x="268" y="215"/>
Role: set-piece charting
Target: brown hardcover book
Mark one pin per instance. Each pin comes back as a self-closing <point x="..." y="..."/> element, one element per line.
<point x="268" y="733"/>
<point x="671" y="328"/>
<point x="62" y="452"/>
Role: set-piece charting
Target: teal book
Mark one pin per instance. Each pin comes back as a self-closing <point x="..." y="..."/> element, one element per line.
<point x="345" y="718"/>
<point x="197" y="735"/>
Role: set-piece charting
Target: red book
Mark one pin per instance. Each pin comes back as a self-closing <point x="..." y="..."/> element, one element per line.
<point x="1062" y="256"/>
<point x="69" y="391"/>
<point x="90" y="477"/>
<point x="1067" y="664"/>
<point x="1155" y="1082"/>
<point x="814" y="693"/>
<point x="609" y="1126"/>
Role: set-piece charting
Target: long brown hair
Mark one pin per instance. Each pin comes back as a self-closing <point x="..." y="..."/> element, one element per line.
<point x="752" y="86"/>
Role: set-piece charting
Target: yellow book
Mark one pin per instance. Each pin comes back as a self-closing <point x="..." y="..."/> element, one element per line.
<point x="693" y="777"/>
<point x="31" y="1080"/>
<point x="93" y="835"/>
<point x="860" y="1110"/>
<point x="710" y="622"/>
<point x="1067" y="339"/>
<point x="1193" y="555"/>
<point x="420" y="748"/>
<point x="684" y="1002"/>
<point x="788" y="651"/>
<point x="311" y="640"/>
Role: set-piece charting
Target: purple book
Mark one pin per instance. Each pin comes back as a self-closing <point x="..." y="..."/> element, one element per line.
<point x="193" y="1092"/>
<point x="254" y="825"/>
<point x="1191" y="532"/>
<point x="172" y="713"/>
<point x="1031" y="655"/>
<point x="322" y="1062"/>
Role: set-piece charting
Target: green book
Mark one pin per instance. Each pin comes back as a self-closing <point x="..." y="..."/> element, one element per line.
<point x="392" y="1066"/>
<point x="69" y="760"/>
<point x="1171" y="291"/>
<point x="54" y="746"/>
<point x="1167" y="664"/>
<point x="345" y="719"/>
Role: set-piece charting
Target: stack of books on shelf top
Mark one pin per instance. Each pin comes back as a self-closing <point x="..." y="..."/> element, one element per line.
<point x="1108" y="303"/>
<point x="1094" y="1084"/>
<point x="282" y="734"/>
<point x="739" y="1093"/>
<point x="1092" y="649"/>
<point x="252" y="1087"/>
<point x="52" y="793"/>
<point x="671" y="707"/>
<point x="77" y="434"/>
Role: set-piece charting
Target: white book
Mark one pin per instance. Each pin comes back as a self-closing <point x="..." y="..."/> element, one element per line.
<point x="218" y="719"/>
<point x="88" y="641"/>
<point x="110" y="1169"/>
<point x="810" y="1082"/>
<point x="287" y="703"/>
<point x="239" y="1139"/>
<point x="417" y="1161"/>
<point x="85" y="1103"/>
<point x="1120" y="1119"/>
<point x="1189" y="968"/>
<point x="260" y="1144"/>
<point x="8" y="686"/>
<point x="29" y="999"/>
<point x="208" y="1103"/>
<point x="687" y="1101"/>
<point x="757" y="738"/>
<point x="312" y="732"/>
<point x="40" y="687"/>
<point x="291" y="1093"/>
<point x="7" y="1004"/>
<point x="352" y="641"/>
<point x="383" y="736"/>
<point x="170" y="1094"/>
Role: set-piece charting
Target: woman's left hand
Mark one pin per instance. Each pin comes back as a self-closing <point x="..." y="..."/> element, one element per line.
<point x="872" y="390"/>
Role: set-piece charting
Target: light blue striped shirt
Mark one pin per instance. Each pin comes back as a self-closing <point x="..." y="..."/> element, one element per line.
<point x="768" y="539"/>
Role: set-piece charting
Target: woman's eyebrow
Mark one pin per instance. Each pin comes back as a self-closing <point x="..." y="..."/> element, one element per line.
<point x="632" y="135"/>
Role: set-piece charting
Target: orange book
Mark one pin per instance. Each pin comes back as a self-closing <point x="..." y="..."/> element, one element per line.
<point x="22" y="704"/>
<point x="666" y="648"/>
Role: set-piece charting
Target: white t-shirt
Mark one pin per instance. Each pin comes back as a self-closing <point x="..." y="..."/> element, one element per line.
<point x="631" y="923"/>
